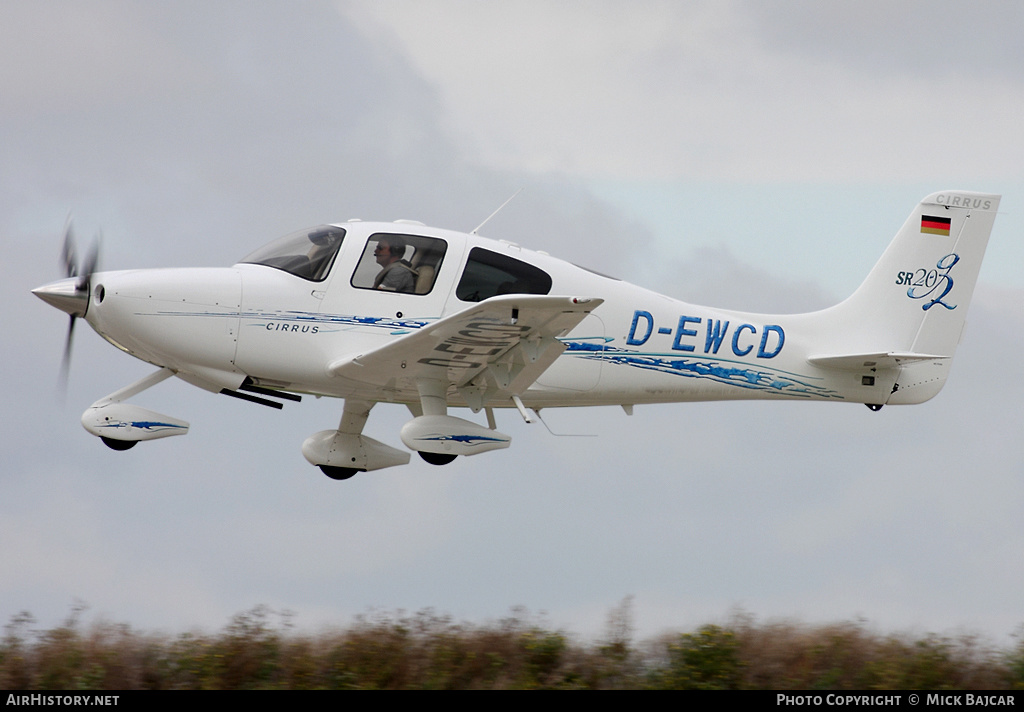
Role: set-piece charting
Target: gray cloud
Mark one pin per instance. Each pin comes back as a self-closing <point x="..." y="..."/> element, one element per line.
<point x="948" y="40"/>
<point x="713" y="275"/>
<point x="723" y="91"/>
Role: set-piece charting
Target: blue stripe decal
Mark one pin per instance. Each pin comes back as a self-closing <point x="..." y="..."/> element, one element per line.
<point x="399" y="326"/>
<point x="716" y="370"/>
<point x="149" y="425"/>
<point x="467" y="439"/>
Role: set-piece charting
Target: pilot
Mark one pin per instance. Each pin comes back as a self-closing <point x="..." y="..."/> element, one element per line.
<point x="397" y="275"/>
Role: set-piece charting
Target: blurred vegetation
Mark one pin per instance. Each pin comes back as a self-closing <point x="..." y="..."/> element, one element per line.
<point x="261" y="649"/>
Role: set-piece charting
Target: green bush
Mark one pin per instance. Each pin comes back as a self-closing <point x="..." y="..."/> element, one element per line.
<point x="259" y="649"/>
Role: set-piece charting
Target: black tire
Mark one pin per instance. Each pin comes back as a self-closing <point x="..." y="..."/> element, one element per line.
<point x="435" y="458"/>
<point x="338" y="473"/>
<point x="120" y="445"/>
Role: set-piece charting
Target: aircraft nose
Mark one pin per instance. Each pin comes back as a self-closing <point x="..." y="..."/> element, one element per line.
<point x="65" y="295"/>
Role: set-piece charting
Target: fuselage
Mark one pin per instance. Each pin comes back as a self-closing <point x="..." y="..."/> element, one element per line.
<point x="279" y="318"/>
<point x="399" y="312"/>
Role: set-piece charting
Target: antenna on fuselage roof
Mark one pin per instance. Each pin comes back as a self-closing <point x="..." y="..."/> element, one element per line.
<point x="473" y="232"/>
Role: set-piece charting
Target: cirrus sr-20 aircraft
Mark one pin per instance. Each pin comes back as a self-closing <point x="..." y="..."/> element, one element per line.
<point x="434" y="319"/>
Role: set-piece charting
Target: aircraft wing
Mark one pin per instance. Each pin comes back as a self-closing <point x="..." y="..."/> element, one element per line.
<point x="499" y="346"/>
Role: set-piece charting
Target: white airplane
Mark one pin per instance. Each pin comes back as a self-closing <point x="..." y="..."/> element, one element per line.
<point x="433" y="319"/>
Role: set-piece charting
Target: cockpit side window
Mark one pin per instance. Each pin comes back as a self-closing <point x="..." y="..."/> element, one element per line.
<point x="308" y="253"/>
<point x="489" y="274"/>
<point x="399" y="263"/>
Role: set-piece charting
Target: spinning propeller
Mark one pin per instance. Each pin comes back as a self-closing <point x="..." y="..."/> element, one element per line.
<point x="71" y="294"/>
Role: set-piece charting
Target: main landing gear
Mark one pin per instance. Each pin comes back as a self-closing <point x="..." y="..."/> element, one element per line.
<point x="436" y="458"/>
<point x="344" y="473"/>
<point x="119" y="445"/>
<point x="342" y="453"/>
<point x="338" y="473"/>
<point x="438" y="437"/>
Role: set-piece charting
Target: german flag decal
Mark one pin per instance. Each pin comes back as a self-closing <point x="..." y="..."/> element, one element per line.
<point x="935" y="226"/>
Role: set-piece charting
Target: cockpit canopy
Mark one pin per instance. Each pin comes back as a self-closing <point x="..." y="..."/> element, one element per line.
<point x="310" y="254"/>
<point x="307" y="253"/>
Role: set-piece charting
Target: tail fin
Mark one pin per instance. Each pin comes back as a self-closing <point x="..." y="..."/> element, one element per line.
<point x="910" y="311"/>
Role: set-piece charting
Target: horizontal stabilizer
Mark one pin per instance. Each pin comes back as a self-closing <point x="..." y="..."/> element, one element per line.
<point x="883" y="360"/>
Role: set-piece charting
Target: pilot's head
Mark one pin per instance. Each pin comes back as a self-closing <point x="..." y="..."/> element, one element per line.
<point x="389" y="249"/>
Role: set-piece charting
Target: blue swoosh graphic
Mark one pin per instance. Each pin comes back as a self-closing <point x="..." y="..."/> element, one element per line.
<point x="463" y="438"/>
<point x="716" y="370"/>
<point x="150" y="425"/>
<point x="304" y="317"/>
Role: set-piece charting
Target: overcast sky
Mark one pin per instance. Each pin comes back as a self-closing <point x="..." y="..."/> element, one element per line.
<point x="747" y="155"/>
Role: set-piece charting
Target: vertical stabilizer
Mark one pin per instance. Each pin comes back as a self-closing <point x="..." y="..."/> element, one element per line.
<point x="914" y="302"/>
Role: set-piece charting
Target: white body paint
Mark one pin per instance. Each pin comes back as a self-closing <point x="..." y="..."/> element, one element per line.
<point x="587" y="340"/>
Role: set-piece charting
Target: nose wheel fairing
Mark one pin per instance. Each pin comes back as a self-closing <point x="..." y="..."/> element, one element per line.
<point x="120" y="425"/>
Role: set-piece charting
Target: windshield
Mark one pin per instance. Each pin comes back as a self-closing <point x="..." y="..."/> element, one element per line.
<point x="307" y="253"/>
